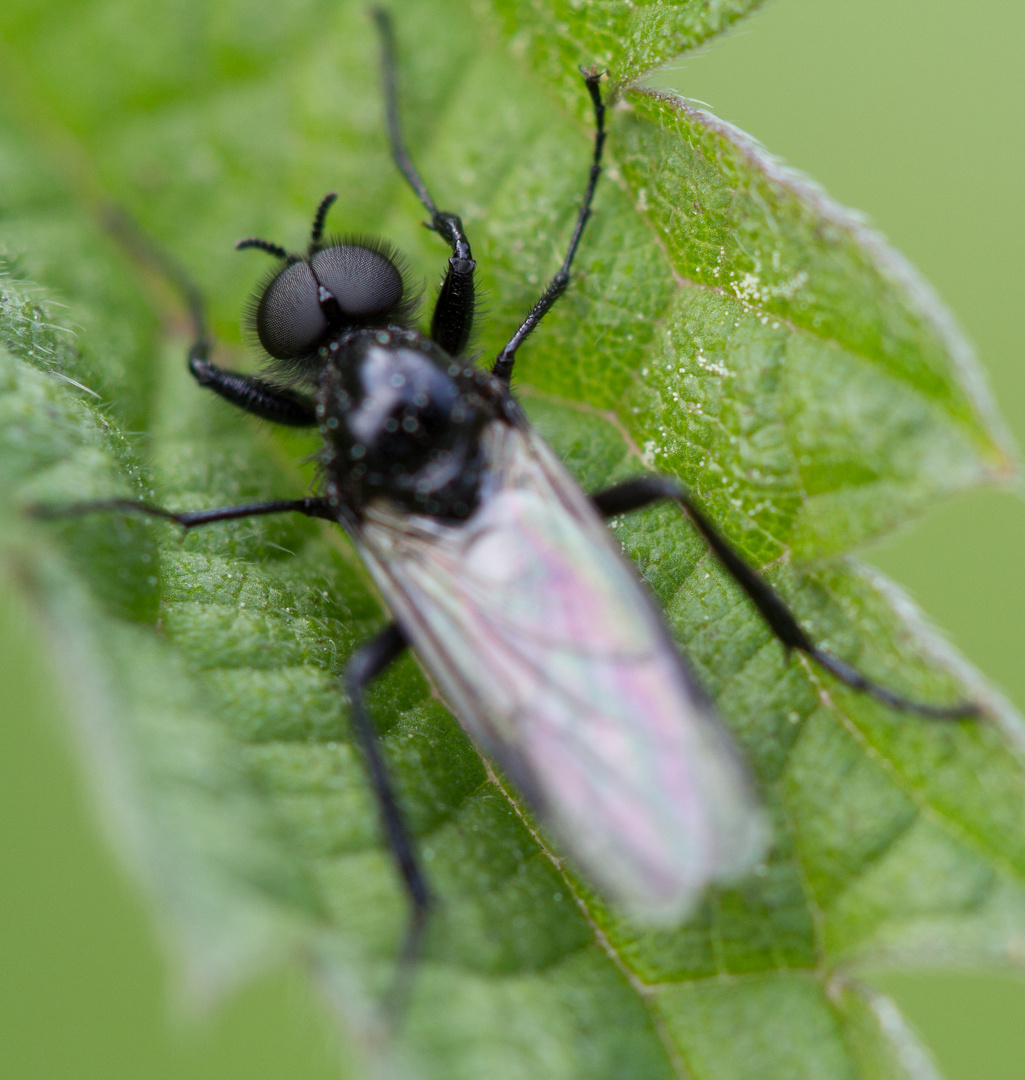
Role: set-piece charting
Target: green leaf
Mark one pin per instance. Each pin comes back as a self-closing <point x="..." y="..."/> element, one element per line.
<point x="727" y="323"/>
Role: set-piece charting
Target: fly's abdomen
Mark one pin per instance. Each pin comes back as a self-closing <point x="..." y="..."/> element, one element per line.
<point x="554" y="660"/>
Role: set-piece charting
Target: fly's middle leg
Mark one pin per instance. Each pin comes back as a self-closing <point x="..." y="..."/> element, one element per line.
<point x="645" y="490"/>
<point x="369" y="661"/>
<point x="189" y="519"/>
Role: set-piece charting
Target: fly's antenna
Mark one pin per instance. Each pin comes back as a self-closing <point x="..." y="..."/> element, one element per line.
<point x="319" y="218"/>
<point x="316" y="232"/>
<point x="264" y="245"/>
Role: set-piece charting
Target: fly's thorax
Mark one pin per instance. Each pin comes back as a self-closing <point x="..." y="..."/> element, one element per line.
<point x="402" y="420"/>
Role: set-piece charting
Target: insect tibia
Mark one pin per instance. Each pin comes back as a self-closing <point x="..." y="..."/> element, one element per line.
<point x="850" y="676"/>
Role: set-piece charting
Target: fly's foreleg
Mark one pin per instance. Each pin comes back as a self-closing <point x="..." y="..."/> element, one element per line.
<point x="249" y="393"/>
<point x="645" y="490"/>
<point x="503" y="366"/>
<point x="244" y="391"/>
<point x="363" y="666"/>
<point x="452" y="321"/>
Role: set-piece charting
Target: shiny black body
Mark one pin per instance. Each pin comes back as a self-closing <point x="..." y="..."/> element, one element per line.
<point x="400" y="413"/>
<point x="402" y="419"/>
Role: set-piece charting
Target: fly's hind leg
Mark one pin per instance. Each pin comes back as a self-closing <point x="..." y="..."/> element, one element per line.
<point x="645" y="490"/>
<point x="363" y="666"/>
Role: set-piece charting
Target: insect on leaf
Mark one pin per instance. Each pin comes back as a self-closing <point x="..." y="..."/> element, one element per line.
<point x="728" y="324"/>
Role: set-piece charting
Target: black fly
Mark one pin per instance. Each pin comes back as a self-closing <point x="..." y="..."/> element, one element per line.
<point x="496" y="567"/>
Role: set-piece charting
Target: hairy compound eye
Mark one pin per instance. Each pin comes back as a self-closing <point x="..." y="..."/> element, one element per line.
<point x="363" y="281"/>
<point x="289" y="319"/>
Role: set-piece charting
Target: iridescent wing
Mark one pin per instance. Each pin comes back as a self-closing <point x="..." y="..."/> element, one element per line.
<point x="552" y="656"/>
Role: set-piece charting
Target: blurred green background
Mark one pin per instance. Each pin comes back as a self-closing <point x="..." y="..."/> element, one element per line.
<point x="911" y="110"/>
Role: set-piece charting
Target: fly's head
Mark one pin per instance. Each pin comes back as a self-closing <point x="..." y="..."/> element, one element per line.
<point x="340" y="286"/>
<point x="402" y="420"/>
